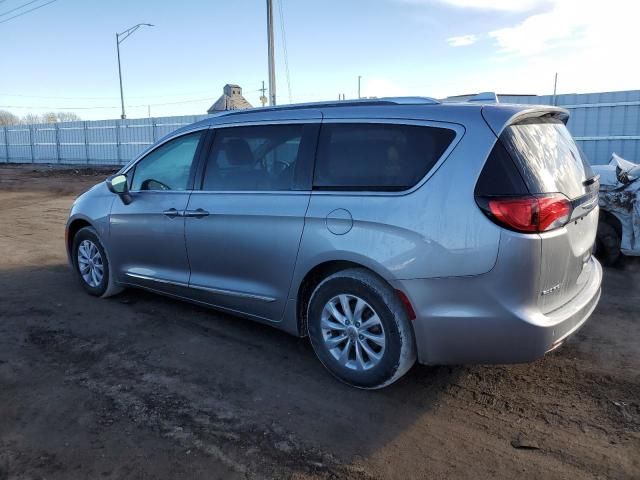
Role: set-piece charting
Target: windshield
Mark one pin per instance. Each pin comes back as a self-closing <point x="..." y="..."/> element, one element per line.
<point x="548" y="156"/>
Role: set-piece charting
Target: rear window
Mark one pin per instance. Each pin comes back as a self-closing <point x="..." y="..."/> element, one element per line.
<point x="385" y="157"/>
<point x="547" y="156"/>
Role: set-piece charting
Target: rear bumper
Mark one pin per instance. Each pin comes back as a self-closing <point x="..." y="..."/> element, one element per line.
<point x="476" y="320"/>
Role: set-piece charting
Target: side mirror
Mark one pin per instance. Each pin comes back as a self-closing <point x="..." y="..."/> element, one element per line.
<point x="119" y="184"/>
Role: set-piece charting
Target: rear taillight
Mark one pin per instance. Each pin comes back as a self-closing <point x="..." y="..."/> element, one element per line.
<point x="528" y="214"/>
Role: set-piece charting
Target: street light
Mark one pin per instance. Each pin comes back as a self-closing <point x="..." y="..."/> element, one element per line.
<point x="121" y="37"/>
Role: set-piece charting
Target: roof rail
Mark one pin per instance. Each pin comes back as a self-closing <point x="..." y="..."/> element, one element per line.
<point x="485" y="97"/>
<point x="342" y="103"/>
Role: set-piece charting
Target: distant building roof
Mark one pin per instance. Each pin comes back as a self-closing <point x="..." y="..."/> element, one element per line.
<point x="231" y="99"/>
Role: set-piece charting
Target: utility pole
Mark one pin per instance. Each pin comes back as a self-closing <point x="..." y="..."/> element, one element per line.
<point x="270" y="47"/>
<point x="359" y="78"/>
<point x="119" y="40"/>
<point x="555" y="86"/>
<point x="122" y="115"/>
<point x="263" y="97"/>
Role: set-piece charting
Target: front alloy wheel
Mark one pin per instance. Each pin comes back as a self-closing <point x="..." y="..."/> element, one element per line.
<point x="90" y="263"/>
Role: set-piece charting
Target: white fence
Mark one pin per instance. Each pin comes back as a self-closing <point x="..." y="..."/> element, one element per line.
<point x="102" y="142"/>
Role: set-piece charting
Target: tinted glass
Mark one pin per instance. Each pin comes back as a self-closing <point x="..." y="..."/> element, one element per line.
<point x="167" y="167"/>
<point x="548" y="157"/>
<point x="253" y="158"/>
<point x="377" y="156"/>
<point x="500" y="176"/>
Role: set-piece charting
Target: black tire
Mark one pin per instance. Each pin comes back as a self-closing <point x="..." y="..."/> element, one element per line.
<point x="399" y="352"/>
<point x="106" y="287"/>
<point x="607" y="244"/>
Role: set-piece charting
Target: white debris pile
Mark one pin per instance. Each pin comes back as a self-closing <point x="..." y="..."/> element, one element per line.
<point x="620" y="196"/>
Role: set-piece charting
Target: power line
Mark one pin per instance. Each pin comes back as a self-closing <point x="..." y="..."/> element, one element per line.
<point x="18" y="8"/>
<point x="284" y="47"/>
<point x="26" y="11"/>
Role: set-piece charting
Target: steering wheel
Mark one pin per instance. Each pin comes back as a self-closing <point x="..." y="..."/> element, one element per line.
<point x="151" y="184"/>
<point x="282" y="166"/>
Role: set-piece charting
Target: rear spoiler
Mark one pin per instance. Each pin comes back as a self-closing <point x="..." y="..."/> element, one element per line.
<point x="499" y="117"/>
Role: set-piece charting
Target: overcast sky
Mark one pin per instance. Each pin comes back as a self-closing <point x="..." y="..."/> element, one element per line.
<point x="63" y="54"/>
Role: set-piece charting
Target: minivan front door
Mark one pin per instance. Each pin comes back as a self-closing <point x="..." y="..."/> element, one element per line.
<point x="147" y="234"/>
<point x="243" y="227"/>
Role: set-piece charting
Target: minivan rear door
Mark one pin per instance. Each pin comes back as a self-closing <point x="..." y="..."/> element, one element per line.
<point x="551" y="162"/>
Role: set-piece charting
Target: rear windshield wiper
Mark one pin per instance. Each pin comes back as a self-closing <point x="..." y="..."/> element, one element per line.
<point x="591" y="181"/>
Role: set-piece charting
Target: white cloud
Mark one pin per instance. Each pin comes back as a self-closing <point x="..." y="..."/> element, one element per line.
<point x="572" y="24"/>
<point x="462" y="40"/>
<point x="496" y="5"/>
<point x="591" y="44"/>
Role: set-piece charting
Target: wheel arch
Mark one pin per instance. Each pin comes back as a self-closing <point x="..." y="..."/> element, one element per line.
<point x="611" y="219"/>
<point x="312" y="279"/>
<point x="73" y="227"/>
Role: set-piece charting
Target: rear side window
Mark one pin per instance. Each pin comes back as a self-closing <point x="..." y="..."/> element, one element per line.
<point x="500" y="176"/>
<point x="547" y="156"/>
<point x="385" y="157"/>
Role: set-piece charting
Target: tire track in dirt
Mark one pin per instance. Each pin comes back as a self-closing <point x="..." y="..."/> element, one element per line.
<point x="191" y="417"/>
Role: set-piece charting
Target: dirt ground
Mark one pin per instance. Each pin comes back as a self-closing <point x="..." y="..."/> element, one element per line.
<point x="139" y="386"/>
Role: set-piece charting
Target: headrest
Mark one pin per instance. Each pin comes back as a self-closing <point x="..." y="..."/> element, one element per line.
<point x="238" y="152"/>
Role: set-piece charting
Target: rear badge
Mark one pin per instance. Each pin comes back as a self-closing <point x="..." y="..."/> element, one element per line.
<point x="551" y="290"/>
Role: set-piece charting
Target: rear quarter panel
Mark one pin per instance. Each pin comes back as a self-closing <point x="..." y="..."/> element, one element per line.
<point x="433" y="230"/>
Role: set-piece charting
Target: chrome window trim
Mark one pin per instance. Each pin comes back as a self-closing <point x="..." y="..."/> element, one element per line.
<point x="459" y="130"/>
<point x="456" y="127"/>
<point x="250" y="192"/>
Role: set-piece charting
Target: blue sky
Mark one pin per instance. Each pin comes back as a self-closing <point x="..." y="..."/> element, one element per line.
<point x="63" y="55"/>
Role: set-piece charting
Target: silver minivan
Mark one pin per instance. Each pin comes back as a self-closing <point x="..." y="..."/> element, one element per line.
<point x="386" y="230"/>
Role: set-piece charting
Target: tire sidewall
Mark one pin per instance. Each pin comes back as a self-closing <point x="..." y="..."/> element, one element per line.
<point x="386" y="370"/>
<point x="89" y="233"/>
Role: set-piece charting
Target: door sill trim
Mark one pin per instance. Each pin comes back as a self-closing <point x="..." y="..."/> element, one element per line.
<point x="234" y="293"/>
<point x="139" y="276"/>
<point x="218" y="291"/>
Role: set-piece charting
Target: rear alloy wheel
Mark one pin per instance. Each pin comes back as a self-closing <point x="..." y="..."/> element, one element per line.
<point x="352" y="332"/>
<point x="359" y="329"/>
<point x="91" y="263"/>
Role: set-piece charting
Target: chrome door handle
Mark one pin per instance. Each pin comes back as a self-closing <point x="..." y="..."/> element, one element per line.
<point x="172" y="213"/>
<point x="198" y="213"/>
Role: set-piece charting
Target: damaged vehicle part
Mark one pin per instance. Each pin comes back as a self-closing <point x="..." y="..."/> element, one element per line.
<point x="619" y="225"/>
